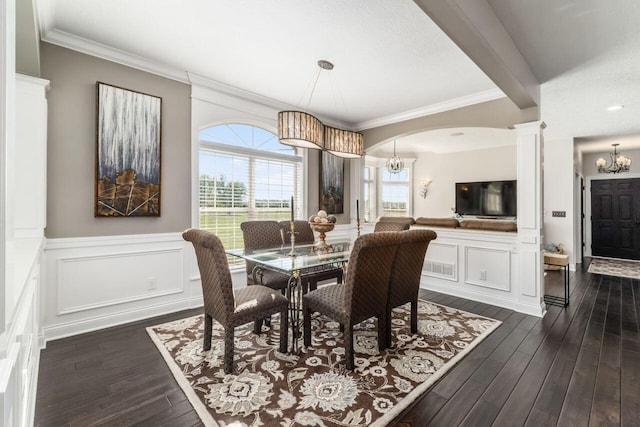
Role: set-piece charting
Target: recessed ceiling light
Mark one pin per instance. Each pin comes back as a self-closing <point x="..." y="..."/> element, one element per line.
<point x="457" y="134"/>
<point x="615" y="107"/>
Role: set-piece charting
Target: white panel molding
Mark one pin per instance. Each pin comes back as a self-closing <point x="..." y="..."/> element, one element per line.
<point x="529" y="260"/>
<point x="108" y="303"/>
<point x="72" y="303"/>
<point x="504" y="264"/>
<point x="65" y="276"/>
<point x="92" y="323"/>
<point x="105" y="241"/>
<point x="529" y="280"/>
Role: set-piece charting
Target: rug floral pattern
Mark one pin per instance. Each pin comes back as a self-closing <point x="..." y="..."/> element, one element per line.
<point x="313" y="388"/>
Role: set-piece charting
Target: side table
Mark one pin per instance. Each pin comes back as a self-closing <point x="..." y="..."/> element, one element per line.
<point x="561" y="260"/>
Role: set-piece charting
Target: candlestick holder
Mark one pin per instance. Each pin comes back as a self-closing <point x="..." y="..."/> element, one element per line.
<point x="293" y="232"/>
<point x="358" y="227"/>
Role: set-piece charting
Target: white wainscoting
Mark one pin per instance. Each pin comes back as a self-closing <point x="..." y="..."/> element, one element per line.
<point x="98" y="282"/>
<point x="484" y="265"/>
<point x="488" y="267"/>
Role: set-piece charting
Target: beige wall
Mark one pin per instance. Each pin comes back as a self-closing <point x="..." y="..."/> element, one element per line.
<point x="72" y="143"/>
<point x="492" y="164"/>
<point x="501" y="113"/>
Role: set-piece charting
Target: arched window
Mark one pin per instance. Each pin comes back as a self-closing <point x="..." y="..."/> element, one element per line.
<point x="245" y="174"/>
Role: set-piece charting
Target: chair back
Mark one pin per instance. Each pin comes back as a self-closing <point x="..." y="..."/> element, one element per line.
<point x="257" y="235"/>
<point x="367" y="283"/>
<point x="261" y="234"/>
<point x="217" y="288"/>
<point x="304" y="233"/>
<point x="391" y="226"/>
<point x="407" y="268"/>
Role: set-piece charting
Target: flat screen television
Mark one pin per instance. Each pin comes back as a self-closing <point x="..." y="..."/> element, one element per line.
<point x="488" y="198"/>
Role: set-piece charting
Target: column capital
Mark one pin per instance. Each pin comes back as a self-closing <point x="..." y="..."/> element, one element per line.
<point x="523" y="127"/>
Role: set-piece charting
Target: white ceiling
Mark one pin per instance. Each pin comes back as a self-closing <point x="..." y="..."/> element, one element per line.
<point x="391" y="61"/>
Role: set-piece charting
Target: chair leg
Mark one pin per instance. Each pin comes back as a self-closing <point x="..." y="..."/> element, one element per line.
<point x="208" y="325"/>
<point x="306" y="324"/>
<point x="228" y="349"/>
<point x="348" y="344"/>
<point x="257" y="326"/>
<point x="414" y="316"/>
<point x="284" y="330"/>
<point x="383" y="335"/>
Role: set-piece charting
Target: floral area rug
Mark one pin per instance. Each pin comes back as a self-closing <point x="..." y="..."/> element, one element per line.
<point x="615" y="267"/>
<point x="313" y="388"/>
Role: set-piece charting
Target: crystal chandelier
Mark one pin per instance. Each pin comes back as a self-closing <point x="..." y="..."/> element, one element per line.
<point x="617" y="162"/>
<point x="394" y="163"/>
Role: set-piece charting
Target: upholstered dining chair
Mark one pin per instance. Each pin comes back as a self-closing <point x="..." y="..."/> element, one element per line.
<point x="404" y="284"/>
<point x="231" y="307"/>
<point x="258" y="235"/>
<point x="263" y="234"/>
<point x="364" y="293"/>
<point x="304" y="236"/>
<point x="390" y="226"/>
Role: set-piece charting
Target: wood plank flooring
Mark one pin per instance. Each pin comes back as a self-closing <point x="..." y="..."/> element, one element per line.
<point x="578" y="366"/>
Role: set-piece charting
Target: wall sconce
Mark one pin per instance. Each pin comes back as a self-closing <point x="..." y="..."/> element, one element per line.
<point x="424" y="187"/>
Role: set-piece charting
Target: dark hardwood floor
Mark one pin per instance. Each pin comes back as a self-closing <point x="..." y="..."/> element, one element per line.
<point x="578" y="366"/>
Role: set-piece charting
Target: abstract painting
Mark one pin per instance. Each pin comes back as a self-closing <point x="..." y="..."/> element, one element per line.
<point x="128" y="152"/>
<point x="331" y="183"/>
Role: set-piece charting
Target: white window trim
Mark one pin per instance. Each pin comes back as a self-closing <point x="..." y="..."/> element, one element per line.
<point x="379" y="165"/>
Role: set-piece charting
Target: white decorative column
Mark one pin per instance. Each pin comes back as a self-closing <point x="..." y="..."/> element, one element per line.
<point x="530" y="277"/>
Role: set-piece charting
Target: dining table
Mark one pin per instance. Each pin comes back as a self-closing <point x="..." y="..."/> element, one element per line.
<point x="297" y="262"/>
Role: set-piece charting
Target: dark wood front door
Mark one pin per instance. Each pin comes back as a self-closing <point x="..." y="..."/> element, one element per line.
<point x="615" y="218"/>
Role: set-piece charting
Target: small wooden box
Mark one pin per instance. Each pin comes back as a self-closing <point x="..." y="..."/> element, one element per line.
<point x="556" y="259"/>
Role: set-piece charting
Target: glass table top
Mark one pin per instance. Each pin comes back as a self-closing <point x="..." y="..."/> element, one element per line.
<point x="306" y="256"/>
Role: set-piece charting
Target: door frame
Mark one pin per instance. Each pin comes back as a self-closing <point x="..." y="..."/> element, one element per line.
<point x="587" y="198"/>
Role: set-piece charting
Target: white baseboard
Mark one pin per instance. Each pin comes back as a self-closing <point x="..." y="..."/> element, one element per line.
<point x="504" y="302"/>
<point x="85" y="325"/>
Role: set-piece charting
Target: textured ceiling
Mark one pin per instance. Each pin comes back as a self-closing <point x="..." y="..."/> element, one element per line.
<point x="389" y="57"/>
<point x="391" y="61"/>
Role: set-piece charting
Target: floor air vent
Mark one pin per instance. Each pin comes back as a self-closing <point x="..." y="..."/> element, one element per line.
<point x="439" y="269"/>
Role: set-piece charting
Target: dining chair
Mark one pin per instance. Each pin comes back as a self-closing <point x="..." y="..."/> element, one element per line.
<point x="391" y="226"/>
<point x="364" y="293"/>
<point x="404" y="284"/>
<point x="231" y="307"/>
<point x="304" y="236"/>
<point x="264" y="234"/>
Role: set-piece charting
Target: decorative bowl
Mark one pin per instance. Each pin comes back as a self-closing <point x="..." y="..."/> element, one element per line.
<point x="322" y="228"/>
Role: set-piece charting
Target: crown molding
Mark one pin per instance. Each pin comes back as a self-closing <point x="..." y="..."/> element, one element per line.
<point x="452" y="104"/>
<point x="219" y="87"/>
<point x="118" y="56"/>
<point x="44" y="13"/>
<point x="89" y="47"/>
